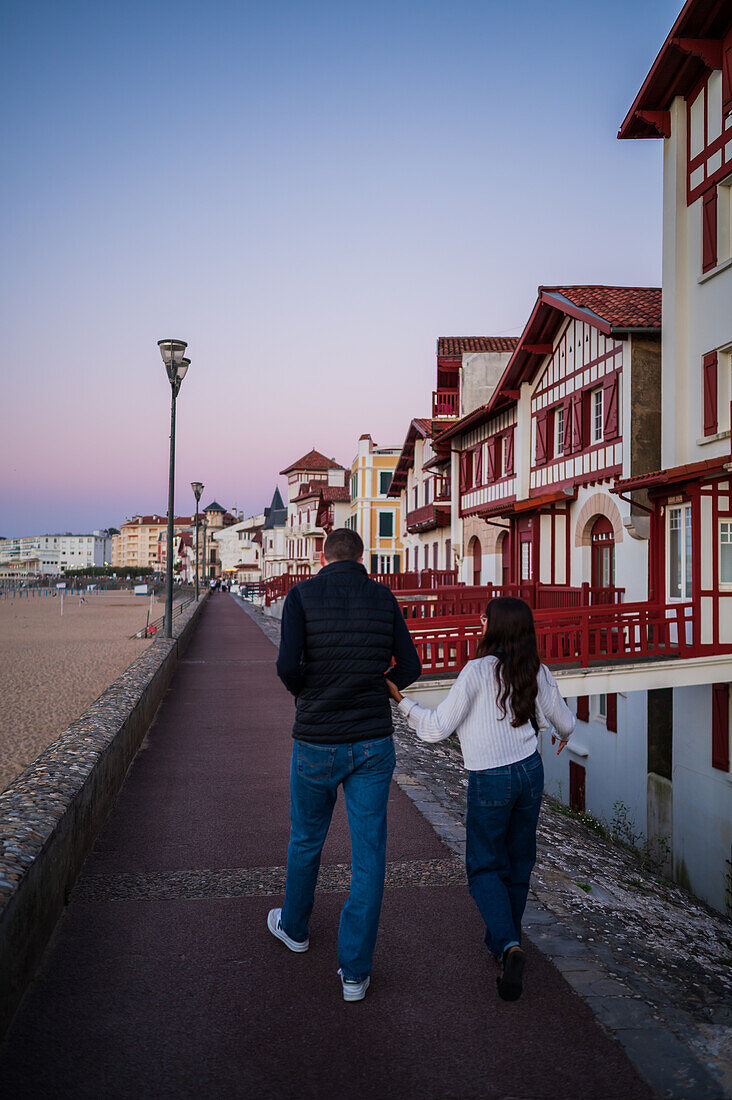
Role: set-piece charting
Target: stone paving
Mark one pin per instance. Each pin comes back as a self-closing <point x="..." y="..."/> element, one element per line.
<point x="653" y="962"/>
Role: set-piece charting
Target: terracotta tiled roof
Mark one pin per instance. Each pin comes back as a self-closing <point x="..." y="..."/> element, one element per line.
<point x="620" y="306"/>
<point x="456" y="345"/>
<point x="313" y="460"/>
<point x="336" y="493"/>
<point x="425" y="426"/>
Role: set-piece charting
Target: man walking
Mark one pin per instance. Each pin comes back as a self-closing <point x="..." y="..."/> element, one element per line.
<point x="340" y="631"/>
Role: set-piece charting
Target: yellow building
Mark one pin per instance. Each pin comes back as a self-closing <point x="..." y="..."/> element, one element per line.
<point x="376" y="517"/>
<point x="136" y="545"/>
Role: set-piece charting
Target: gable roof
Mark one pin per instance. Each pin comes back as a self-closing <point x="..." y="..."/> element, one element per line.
<point x="456" y="345"/>
<point x="312" y="461"/>
<point x="421" y="427"/>
<point x="679" y="66"/>
<point x="214" y="506"/>
<point x="613" y="310"/>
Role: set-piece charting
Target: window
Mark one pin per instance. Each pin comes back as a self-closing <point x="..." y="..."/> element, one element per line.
<point x="525" y="561"/>
<point x="428" y="491"/>
<point x="602" y="706"/>
<point x="386" y="525"/>
<point x="385" y="563"/>
<point x="415" y="493"/>
<point x="384" y="482"/>
<point x="597" y="411"/>
<point x="725" y="551"/>
<point x="558" y="431"/>
<point x="679" y="552"/>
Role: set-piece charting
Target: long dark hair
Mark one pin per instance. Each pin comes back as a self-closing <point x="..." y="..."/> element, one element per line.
<point x="510" y="637"/>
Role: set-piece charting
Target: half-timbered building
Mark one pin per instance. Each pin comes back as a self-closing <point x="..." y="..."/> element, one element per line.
<point x="686" y="100"/>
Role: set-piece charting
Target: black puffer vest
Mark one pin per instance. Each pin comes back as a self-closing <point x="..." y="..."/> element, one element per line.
<point x="349" y="636"/>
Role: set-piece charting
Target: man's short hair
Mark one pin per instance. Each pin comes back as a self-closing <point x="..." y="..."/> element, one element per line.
<point x="343" y="545"/>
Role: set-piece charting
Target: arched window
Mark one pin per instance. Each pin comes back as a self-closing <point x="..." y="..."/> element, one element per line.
<point x="603" y="555"/>
<point x="477" y="557"/>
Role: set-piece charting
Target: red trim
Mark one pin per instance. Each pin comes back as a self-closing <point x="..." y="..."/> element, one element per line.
<point x="611" y="719"/>
<point x="709" y="229"/>
<point x="709" y="371"/>
<point x="692" y="471"/>
<point x="720" y="727"/>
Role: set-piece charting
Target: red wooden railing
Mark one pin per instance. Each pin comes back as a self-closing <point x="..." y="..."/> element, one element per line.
<point x="584" y="636"/>
<point x="472" y="599"/>
<point x="445" y="402"/>
<point x="277" y="587"/>
<point x="414" y="581"/>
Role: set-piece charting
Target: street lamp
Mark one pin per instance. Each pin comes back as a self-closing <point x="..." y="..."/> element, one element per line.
<point x="197" y="487"/>
<point x="176" y="366"/>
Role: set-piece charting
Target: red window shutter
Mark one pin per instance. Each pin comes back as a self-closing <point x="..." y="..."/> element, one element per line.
<point x="478" y="466"/>
<point x="567" y="413"/>
<point x="491" y="462"/>
<point x="727" y="75"/>
<point x="709" y="229"/>
<point x="610" y="406"/>
<point x="611" y="714"/>
<point x="709" y="370"/>
<point x="720" y="726"/>
<point x="577" y="423"/>
<point x="583" y="708"/>
<point x="541" y="438"/>
<point x="577" y="780"/>
<point x="463" y="471"/>
<point x="509" y="452"/>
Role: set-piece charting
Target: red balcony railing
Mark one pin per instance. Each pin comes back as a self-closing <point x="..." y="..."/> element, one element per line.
<point x="445" y="402"/>
<point x="427" y="518"/>
<point x="472" y="599"/>
<point x="415" y="581"/>
<point x="582" y="637"/>
<point x="277" y="587"/>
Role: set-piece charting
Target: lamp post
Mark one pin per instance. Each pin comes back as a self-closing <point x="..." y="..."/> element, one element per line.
<point x="197" y="487"/>
<point x="176" y="367"/>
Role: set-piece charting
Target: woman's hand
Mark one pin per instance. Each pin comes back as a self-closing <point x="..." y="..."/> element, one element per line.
<point x="562" y="745"/>
<point x="393" y="690"/>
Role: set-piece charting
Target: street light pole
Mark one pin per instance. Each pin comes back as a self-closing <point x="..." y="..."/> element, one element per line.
<point x="176" y="367"/>
<point x="197" y="487"/>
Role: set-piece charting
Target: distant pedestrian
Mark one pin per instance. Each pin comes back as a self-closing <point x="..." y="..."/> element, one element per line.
<point x="340" y="631"/>
<point x="495" y="707"/>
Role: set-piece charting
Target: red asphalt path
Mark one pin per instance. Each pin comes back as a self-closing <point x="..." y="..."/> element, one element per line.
<point x="192" y="997"/>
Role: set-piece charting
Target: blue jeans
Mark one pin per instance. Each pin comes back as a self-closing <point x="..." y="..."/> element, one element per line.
<point x="500" y="850"/>
<point x="365" y="769"/>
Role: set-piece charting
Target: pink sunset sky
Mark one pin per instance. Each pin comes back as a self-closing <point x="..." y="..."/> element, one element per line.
<point x="309" y="195"/>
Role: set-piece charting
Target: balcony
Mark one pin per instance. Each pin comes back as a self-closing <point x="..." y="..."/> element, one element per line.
<point x="457" y="600"/>
<point x="427" y="518"/>
<point x="445" y="403"/>
<point x="582" y="638"/>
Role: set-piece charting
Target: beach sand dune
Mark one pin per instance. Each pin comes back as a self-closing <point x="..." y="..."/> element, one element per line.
<point x="53" y="666"/>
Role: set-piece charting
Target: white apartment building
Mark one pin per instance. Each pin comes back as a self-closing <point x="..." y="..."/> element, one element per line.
<point x="50" y="555"/>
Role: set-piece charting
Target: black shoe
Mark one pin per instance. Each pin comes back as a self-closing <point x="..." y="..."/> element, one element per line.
<point x="510" y="982"/>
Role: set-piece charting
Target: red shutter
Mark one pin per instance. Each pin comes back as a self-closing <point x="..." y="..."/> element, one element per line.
<point x="478" y="466"/>
<point x="611" y="715"/>
<point x="720" y="726"/>
<point x="567" y="413"/>
<point x="463" y="471"/>
<point x="610" y="407"/>
<point x="577" y="420"/>
<point x="709" y="370"/>
<point x="727" y="75"/>
<point x="509" y="452"/>
<point x="541" y="440"/>
<point x="583" y="708"/>
<point x="709" y="229"/>
<point x="491" y="462"/>
<point x="577" y="778"/>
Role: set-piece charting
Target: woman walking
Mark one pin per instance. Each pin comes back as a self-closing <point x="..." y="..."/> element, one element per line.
<point x="495" y="707"/>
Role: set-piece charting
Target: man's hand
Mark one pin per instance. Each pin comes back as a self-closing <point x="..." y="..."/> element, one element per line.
<point x="393" y="690"/>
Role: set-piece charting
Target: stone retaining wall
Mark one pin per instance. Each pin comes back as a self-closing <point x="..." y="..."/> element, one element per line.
<point x="52" y="812"/>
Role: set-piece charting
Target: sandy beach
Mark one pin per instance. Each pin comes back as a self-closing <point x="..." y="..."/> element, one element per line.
<point x="52" y="666"/>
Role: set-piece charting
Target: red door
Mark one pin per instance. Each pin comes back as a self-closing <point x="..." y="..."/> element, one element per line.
<point x="506" y="559"/>
<point x="526" y="563"/>
<point x="477" y="561"/>
<point x="603" y="560"/>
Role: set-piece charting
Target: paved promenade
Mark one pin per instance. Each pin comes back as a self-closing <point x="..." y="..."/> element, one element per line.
<point x="162" y="979"/>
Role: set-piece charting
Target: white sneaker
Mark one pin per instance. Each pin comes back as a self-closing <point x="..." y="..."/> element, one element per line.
<point x="354" y="991"/>
<point x="275" y="927"/>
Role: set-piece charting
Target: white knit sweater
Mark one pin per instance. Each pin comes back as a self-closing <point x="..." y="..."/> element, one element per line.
<point x="487" y="739"/>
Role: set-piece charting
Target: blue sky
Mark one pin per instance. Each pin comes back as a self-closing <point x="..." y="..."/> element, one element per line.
<point x="310" y="194"/>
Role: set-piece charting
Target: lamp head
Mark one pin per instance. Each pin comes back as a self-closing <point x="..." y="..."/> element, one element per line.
<point x="197" y="487"/>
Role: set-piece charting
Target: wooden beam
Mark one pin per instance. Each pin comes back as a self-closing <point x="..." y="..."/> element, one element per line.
<point x="660" y="120"/>
<point x="538" y="349"/>
<point x="513" y="394"/>
<point x="708" y="49"/>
